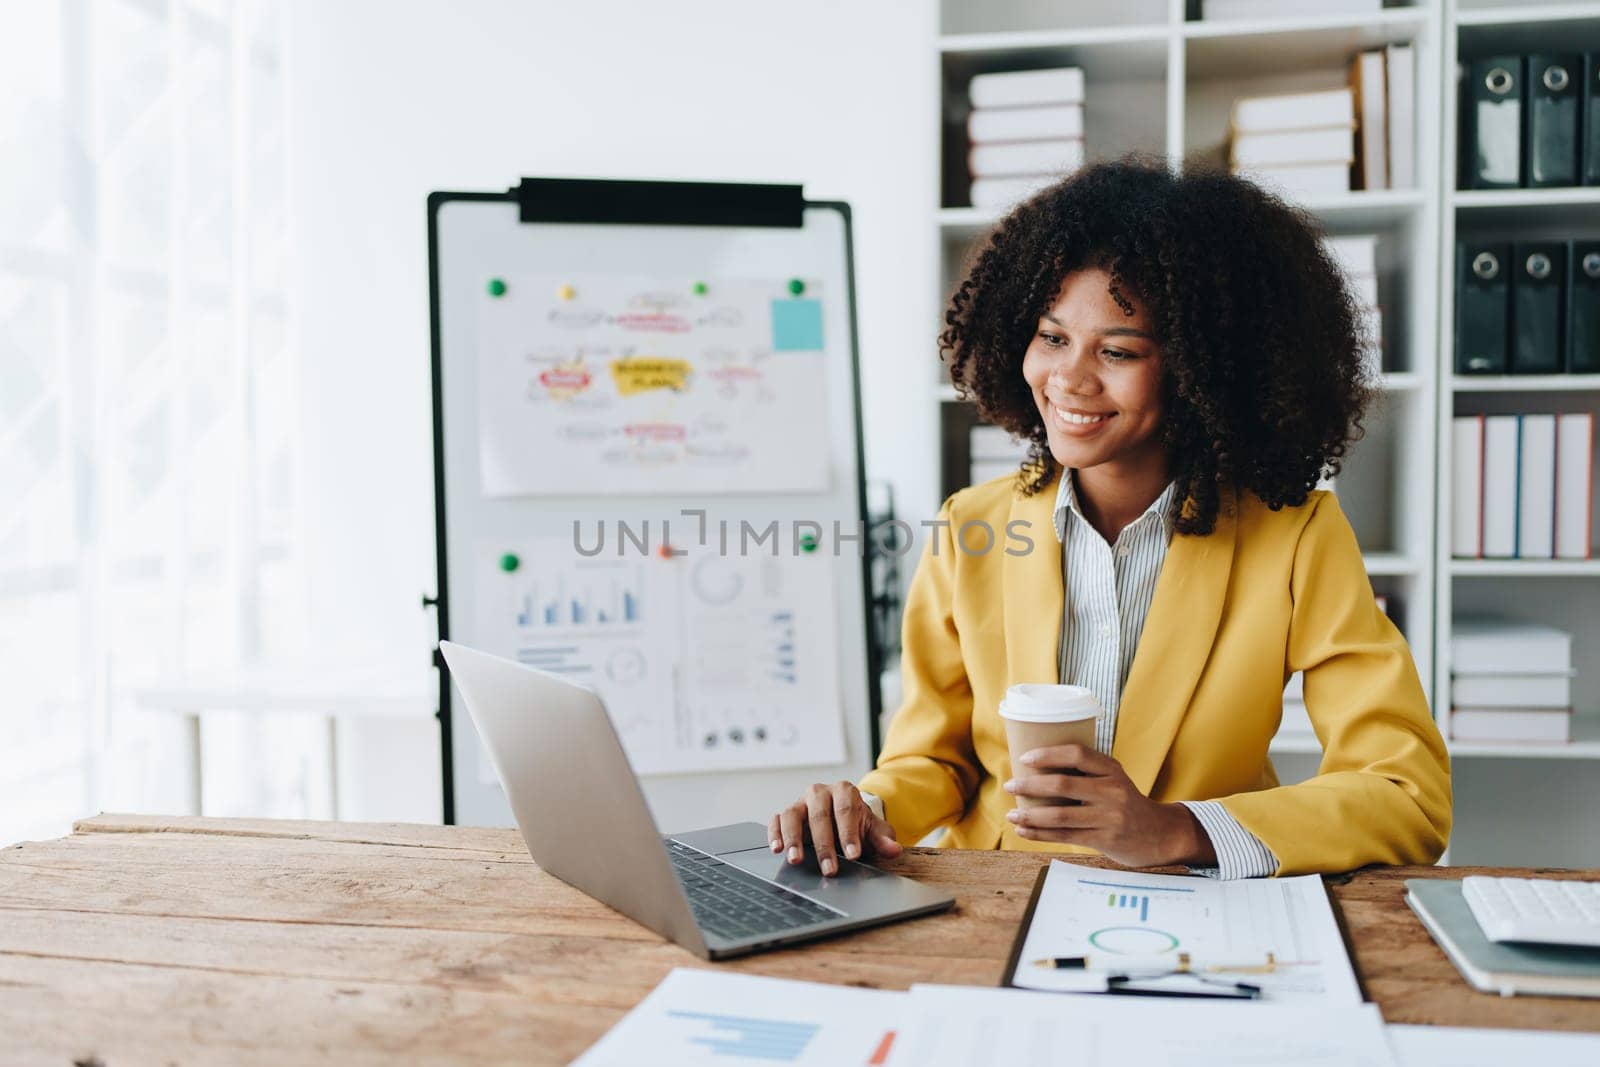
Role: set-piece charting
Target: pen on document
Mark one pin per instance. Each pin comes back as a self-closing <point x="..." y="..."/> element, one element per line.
<point x="1117" y="983"/>
<point x="1181" y="963"/>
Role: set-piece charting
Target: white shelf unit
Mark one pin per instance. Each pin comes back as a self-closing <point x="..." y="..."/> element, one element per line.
<point x="1530" y="383"/>
<point x="1552" y="799"/>
<point x="1525" y="568"/>
<point x="1490" y="200"/>
<point x="1512" y="13"/>
<point x="1162" y="82"/>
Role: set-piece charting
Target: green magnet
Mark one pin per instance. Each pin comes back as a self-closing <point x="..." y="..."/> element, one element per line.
<point x="509" y="562"/>
<point x="808" y="543"/>
<point x="796" y="286"/>
<point x="497" y="287"/>
<point x="701" y="289"/>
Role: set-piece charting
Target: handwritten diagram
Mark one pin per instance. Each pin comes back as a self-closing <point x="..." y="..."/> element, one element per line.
<point x="604" y="384"/>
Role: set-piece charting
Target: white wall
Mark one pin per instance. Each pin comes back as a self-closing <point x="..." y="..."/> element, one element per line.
<point x="392" y="100"/>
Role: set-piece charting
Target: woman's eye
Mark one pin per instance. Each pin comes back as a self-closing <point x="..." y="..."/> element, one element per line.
<point x="1052" y="340"/>
<point x="1115" y="354"/>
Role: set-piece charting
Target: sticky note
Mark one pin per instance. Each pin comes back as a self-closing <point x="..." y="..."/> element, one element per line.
<point x="639" y="374"/>
<point x="797" y="325"/>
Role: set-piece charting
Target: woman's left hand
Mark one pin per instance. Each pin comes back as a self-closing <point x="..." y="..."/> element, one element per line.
<point x="1111" y="815"/>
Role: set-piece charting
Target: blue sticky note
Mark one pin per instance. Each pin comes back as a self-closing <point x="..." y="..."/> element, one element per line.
<point x="796" y="325"/>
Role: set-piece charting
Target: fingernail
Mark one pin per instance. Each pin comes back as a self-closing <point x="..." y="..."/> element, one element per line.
<point x="794" y="854"/>
<point x="1028" y="757"/>
<point x="1010" y="786"/>
<point x="1014" y="815"/>
<point x="828" y="866"/>
<point x="852" y="851"/>
<point x="777" y="846"/>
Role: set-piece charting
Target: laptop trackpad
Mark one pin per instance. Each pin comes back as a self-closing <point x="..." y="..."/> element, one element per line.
<point x="843" y="891"/>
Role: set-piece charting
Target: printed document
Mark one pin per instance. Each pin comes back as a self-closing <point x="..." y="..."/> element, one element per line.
<point x="706" y="662"/>
<point x="1144" y="918"/>
<point x="946" y="1026"/>
<point x="1451" y="1046"/>
<point x="699" y="1017"/>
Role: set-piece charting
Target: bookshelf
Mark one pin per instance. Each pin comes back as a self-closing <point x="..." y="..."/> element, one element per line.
<point x="1161" y="81"/>
<point x="1553" y="786"/>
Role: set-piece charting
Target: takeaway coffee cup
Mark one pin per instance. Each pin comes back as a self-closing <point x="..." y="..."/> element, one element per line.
<point x="1038" y="716"/>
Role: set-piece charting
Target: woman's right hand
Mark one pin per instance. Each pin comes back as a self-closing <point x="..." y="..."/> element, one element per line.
<point x="834" y="818"/>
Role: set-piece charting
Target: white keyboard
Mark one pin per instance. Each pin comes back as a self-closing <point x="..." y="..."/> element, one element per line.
<point x="1540" y="910"/>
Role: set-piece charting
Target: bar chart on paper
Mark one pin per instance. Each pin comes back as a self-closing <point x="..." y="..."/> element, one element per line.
<point x="705" y="661"/>
<point x="740" y="1020"/>
<point x="747" y="1038"/>
<point x="1140" y="901"/>
<point x="1127" y="930"/>
<point x="1123" y="900"/>
<point x="616" y="600"/>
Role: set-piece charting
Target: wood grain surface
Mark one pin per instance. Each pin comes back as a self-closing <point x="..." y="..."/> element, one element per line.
<point x="166" y="940"/>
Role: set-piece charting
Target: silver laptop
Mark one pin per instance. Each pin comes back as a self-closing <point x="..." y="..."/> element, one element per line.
<point x="719" y="892"/>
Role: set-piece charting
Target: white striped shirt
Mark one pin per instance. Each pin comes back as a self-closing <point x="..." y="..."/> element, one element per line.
<point x="1108" y="593"/>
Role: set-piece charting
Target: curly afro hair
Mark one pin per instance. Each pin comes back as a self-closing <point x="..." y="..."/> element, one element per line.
<point x="1264" y="381"/>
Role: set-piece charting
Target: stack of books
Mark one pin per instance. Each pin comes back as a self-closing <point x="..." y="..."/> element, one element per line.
<point x="1522" y="486"/>
<point x="1296" y="720"/>
<point x="1025" y="131"/>
<point x="1299" y="145"/>
<point x="1357" y="255"/>
<point x="1385" y="85"/>
<point x="1510" y="681"/>
<point x="1360" y="137"/>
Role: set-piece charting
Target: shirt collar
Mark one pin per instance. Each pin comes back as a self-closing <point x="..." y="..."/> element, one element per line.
<point x="1067" y="502"/>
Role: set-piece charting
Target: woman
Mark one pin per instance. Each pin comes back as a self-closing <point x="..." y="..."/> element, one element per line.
<point x="1185" y="361"/>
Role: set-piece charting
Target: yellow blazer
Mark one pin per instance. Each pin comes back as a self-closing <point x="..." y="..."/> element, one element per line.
<point x="1234" y="614"/>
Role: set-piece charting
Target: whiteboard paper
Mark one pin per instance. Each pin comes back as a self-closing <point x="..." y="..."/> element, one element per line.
<point x="593" y="383"/>
<point x="705" y="661"/>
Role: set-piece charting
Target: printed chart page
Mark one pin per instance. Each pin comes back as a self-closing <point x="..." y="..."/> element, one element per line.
<point x="1104" y="915"/>
<point x="594" y="383"/>
<point x="946" y="1026"/>
<point x="1449" y="1046"/>
<point x="697" y="1017"/>
<point x="705" y="662"/>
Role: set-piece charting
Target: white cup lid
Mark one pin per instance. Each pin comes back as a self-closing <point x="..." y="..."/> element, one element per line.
<point x="1049" y="703"/>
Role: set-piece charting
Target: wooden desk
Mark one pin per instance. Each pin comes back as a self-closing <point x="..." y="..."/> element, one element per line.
<point x="158" y="940"/>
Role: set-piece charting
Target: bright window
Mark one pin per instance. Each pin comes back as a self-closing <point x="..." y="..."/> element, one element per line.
<point x="147" y="402"/>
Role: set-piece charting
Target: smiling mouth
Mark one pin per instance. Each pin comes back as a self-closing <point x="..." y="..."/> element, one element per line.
<point x="1073" y="418"/>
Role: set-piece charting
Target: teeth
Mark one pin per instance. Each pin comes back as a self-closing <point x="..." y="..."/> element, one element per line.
<point x="1079" y="420"/>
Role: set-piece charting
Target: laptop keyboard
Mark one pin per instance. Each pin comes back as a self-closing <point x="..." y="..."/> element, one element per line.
<point x="736" y="904"/>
